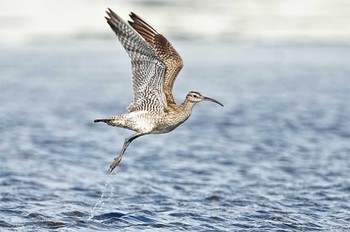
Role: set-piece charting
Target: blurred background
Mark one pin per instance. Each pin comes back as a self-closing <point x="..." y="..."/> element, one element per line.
<point x="225" y="20"/>
<point x="275" y="158"/>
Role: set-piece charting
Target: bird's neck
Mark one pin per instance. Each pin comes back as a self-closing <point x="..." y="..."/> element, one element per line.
<point x="178" y="114"/>
<point x="187" y="105"/>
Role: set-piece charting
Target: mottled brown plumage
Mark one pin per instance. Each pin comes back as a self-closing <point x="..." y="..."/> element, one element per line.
<point x="155" y="65"/>
<point x="164" y="50"/>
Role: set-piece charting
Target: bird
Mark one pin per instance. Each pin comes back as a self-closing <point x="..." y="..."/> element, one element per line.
<point x="155" y="65"/>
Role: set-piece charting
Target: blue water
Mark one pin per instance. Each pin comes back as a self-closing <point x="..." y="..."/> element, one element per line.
<point x="275" y="158"/>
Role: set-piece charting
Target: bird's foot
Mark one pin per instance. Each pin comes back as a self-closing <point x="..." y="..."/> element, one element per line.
<point x="115" y="163"/>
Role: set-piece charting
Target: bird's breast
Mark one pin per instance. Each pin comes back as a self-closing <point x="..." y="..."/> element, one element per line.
<point x="169" y="122"/>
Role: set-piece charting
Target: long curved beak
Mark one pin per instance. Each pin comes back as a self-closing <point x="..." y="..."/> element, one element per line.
<point x="212" y="100"/>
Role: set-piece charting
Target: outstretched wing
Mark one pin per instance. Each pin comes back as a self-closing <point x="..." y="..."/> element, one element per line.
<point x="164" y="50"/>
<point x="147" y="67"/>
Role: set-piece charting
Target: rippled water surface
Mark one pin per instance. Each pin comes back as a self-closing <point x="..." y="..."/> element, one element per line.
<point x="275" y="158"/>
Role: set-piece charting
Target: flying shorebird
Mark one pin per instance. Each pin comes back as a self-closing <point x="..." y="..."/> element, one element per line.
<point x="155" y="65"/>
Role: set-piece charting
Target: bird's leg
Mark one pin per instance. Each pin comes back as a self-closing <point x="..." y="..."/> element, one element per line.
<point x="125" y="146"/>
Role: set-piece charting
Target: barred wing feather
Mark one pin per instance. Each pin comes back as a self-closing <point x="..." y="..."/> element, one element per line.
<point x="164" y="50"/>
<point x="148" y="69"/>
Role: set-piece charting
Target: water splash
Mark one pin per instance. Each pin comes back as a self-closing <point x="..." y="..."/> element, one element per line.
<point x="100" y="203"/>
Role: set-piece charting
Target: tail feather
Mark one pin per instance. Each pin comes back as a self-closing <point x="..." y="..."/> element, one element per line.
<point x="112" y="121"/>
<point x="102" y="120"/>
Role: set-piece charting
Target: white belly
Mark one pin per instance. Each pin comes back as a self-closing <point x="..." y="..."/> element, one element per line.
<point x="153" y="123"/>
<point x="141" y="121"/>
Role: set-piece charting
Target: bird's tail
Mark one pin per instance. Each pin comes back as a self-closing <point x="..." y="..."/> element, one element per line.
<point x="117" y="120"/>
<point x="106" y="120"/>
<point x="112" y="121"/>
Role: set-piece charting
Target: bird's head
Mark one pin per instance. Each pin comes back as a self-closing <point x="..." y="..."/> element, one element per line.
<point x="196" y="97"/>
